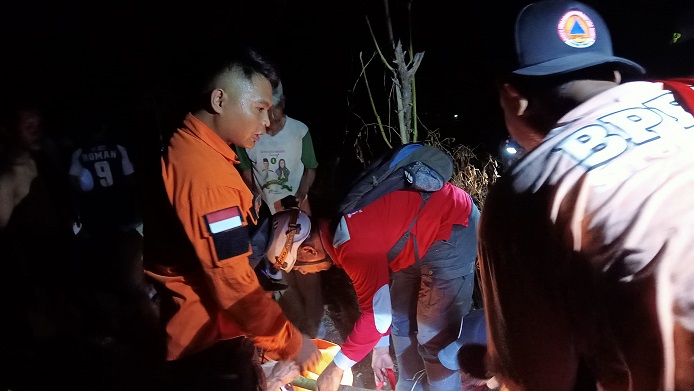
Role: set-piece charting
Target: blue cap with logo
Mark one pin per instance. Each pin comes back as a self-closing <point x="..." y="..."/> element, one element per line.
<point x="558" y="36"/>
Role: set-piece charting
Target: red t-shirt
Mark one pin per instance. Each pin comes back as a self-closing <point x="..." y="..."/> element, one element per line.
<point x="362" y="240"/>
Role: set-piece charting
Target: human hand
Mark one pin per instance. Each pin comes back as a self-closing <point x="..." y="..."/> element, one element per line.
<point x="310" y="356"/>
<point x="472" y="383"/>
<point x="300" y="198"/>
<point x="288" y="202"/>
<point x="330" y="378"/>
<point x="380" y="363"/>
<point x="284" y="372"/>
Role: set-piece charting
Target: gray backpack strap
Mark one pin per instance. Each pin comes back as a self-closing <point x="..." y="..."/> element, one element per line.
<point x="400" y="244"/>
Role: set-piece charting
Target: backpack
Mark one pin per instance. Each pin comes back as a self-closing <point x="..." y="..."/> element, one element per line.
<point x="411" y="166"/>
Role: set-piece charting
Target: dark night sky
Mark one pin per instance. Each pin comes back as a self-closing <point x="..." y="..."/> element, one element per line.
<point x="126" y="57"/>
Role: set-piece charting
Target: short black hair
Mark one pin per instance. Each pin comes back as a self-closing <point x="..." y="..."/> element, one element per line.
<point x="549" y="97"/>
<point x="249" y="60"/>
<point x="531" y="85"/>
<point x="208" y="66"/>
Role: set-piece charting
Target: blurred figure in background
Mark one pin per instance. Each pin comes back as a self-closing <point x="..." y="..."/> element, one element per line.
<point x="104" y="181"/>
<point x="40" y="329"/>
<point x="283" y="162"/>
<point x="108" y="276"/>
<point x="281" y="167"/>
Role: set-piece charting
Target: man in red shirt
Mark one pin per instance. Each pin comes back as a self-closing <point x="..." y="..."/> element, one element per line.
<point x="431" y="289"/>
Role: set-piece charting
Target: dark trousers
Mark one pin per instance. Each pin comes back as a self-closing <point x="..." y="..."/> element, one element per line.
<point x="228" y="365"/>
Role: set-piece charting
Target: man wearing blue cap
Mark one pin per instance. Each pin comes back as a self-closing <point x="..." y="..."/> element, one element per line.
<point x="585" y="247"/>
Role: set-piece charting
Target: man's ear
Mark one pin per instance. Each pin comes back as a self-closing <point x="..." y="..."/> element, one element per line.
<point x="308" y="251"/>
<point x="217" y="98"/>
<point x="512" y="99"/>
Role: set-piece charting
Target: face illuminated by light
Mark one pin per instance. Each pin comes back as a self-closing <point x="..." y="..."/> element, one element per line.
<point x="277" y="120"/>
<point x="242" y="106"/>
<point x="311" y="257"/>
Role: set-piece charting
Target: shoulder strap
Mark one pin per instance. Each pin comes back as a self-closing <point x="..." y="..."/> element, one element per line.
<point x="400" y="244"/>
<point x="412" y="166"/>
<point x="280" y="260"/>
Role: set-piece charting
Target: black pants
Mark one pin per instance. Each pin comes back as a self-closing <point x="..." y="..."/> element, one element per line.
<point x="228" y="365"/>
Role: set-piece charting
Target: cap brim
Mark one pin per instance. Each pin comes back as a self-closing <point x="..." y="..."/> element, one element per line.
<point x="579" y="61"/>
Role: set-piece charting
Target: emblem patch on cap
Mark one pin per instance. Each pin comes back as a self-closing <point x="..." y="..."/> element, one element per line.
<point x="576" y="29"/>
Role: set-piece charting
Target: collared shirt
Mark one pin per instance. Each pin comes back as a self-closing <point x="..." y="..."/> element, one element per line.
<point x="585" y="248"/>
<point x="214" y="293"/>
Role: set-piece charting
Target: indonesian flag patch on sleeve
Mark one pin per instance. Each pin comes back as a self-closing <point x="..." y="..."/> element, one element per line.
<point x="228" y="233"/>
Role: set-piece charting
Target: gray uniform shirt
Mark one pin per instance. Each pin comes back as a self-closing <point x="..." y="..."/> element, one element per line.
<point x="587" y="249"/>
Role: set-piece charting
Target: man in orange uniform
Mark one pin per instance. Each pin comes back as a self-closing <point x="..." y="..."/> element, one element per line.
<point x="198" y="244"/>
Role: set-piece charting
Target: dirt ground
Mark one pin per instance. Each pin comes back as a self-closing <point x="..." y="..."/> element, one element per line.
<point x="341" y="311"/>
